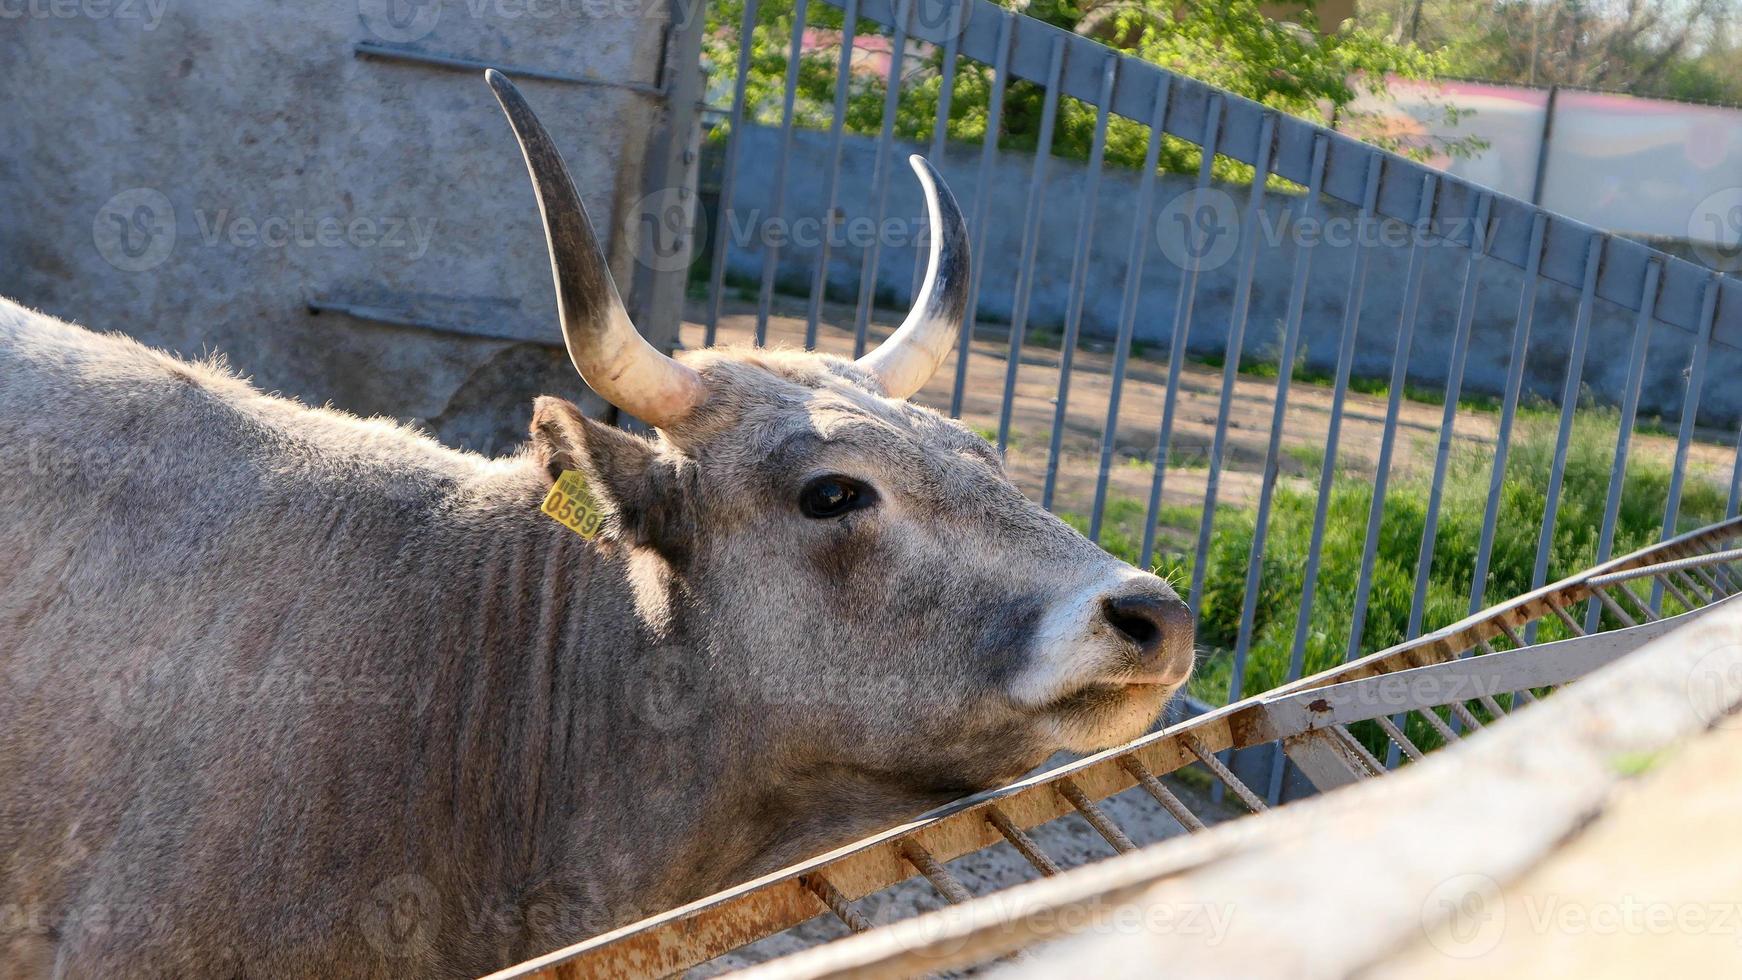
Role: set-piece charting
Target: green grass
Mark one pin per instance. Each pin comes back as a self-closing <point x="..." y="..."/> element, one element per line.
<point x="1448" y="596"/>
<point x="1310" y="456"/>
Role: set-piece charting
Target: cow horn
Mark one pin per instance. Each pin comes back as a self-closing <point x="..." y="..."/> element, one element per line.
<point x="908" y="358"/>
<point x="603" y="343"/>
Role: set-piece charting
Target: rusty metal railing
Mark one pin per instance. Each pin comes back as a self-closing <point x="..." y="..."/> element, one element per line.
<point x="1475" y="671"/>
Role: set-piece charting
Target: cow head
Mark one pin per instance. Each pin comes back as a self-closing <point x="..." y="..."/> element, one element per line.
<point x="858" y="573"/>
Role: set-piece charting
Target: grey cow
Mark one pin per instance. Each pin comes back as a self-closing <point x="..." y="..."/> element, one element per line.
<point x="290" y="693"/>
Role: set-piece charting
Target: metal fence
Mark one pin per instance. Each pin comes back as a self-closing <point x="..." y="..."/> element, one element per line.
<point x="1415" y="697"/>
<point x="1555" y="274"/>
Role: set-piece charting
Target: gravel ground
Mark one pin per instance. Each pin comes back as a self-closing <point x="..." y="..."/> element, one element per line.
<point x="1070" y="841"/>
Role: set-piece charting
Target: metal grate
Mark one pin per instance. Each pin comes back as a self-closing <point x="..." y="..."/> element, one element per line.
<point x="1556" y="272"/>
<point x="1475" y="672"/>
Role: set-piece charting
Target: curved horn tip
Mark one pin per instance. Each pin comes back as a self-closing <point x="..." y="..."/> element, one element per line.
<point x="610" y="354"/>
<point x="497" y="81"/>
<point x="913" y="353"/>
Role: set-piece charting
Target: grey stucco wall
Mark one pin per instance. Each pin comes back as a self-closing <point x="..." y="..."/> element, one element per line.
<point x="1495" y="309"/>
<point x="195" y="172"/>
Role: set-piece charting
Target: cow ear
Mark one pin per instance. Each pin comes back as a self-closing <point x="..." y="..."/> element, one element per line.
<point x="638" y="490"/>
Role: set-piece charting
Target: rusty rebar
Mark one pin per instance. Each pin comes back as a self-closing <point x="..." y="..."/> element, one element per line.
<point x="1020" y="840"/>
<point x="838" y="903"/>
<point x="939" y="876"/>
<point x="1225" y="774"/>
<point x="1174" y="806"/>
<point x="1097" y="818"/>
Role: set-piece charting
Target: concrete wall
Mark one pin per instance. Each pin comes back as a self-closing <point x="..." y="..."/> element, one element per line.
<point x="999" y="261"/>
<point x="195" y="172"/>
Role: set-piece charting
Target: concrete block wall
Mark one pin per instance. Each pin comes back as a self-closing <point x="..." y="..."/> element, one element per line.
<point x="196" y="172"/>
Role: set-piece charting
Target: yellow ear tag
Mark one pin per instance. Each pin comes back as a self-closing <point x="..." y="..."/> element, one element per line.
<point x="572" y="506"/>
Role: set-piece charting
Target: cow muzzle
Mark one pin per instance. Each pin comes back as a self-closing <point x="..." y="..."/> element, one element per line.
<point x="1126" y="632"/>
<point x="1157" y="627"/>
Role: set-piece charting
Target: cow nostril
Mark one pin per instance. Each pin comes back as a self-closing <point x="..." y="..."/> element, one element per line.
<point x="1139" y="618"/>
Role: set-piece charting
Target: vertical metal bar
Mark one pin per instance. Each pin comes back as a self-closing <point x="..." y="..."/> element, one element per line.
<point x="843" y="78"/>
<point x="1629" y="411"/>
<point x="1569" y="409"/>
<point x="1134" y="260"/>
<point x="777" y="209"/>
<point x="728" y="177"/>
<point x="1399" y="372"/>
<point x="1303" y="264"/>
<point x="1182" y="328"/>
<point x="1690" y="411"/>
<point x="1079" y="275"/>
<point x="1327" y="474"/>
<point x="1031" y="236"/>
<point x="982" y="199"/>
<point x="1730" y="508"/>
<point x="1449" y="417"/>
<point x="1508" y="409"/>
<point x="941" y="121"/>
<point x="1537" y="186"/>
<point x="1231" y="363"/>
<point x="891" y="102"/>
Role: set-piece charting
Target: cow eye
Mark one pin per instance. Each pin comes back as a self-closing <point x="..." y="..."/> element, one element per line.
<point x="832" y="496"/>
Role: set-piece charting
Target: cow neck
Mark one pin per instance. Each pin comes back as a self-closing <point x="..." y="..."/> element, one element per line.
<point x="572" y="714"/>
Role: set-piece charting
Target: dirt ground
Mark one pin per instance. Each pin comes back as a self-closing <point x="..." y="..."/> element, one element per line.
<point x="1249" y="419"/>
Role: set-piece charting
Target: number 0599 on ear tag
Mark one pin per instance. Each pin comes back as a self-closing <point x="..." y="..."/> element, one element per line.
<point x="572" y="506"/>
